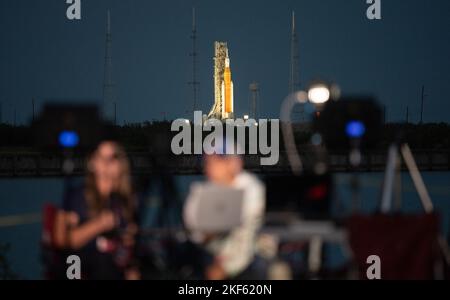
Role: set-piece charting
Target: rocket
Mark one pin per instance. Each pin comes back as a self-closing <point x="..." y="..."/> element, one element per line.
<point x="227" y="90"/>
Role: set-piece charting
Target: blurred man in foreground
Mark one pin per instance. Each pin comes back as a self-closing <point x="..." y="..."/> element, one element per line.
<point x="233" y="254"/>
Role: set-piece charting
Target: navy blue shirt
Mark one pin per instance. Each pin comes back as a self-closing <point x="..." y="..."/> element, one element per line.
<point x="94" y="264"/>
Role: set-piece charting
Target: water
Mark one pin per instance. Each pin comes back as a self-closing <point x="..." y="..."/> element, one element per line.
<point x="20" y="196"/>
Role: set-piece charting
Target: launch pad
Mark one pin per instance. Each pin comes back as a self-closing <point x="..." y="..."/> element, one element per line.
<point x="223" y="107"/>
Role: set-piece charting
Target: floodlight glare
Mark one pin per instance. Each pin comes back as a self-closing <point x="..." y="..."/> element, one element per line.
<point x="319" y="94"/>
<point x="301" y="97"/>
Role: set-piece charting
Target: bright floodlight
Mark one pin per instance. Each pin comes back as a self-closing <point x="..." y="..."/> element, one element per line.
<point x="246" y="117"/>
<point x="319" y="94"/>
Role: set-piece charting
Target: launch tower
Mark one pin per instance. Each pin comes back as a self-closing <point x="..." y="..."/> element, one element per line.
<point x="109" y="93"/>
<point x="223" y="107"/>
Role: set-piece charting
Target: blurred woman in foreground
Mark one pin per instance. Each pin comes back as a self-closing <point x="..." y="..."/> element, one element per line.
<point x="97" y="222"/>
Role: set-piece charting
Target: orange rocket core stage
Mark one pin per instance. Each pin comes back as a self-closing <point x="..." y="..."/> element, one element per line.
<point x="227" y="88"/>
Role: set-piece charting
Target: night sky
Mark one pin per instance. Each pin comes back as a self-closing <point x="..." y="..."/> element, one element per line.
<point x="46" y="56"/>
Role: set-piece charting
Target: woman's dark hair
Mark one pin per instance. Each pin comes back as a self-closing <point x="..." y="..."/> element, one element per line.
<point x="124" y="189"/>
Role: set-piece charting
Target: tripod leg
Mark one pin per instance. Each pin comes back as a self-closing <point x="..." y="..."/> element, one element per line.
<point x="398" y="186"/>
<point x="389" y="175"/>
<point x="417" y="178"/>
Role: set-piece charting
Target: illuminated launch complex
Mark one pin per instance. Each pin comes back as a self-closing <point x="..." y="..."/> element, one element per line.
<point x="223" y="85"/>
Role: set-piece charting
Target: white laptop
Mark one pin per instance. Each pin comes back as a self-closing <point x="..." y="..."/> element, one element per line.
<point x="218" y="209"/>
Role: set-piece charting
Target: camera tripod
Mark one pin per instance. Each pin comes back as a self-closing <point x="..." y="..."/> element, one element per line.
<point x="393" y="168"/>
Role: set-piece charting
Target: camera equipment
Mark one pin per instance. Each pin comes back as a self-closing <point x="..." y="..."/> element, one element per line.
<point x="351" y="124"/>
<point x="309" y="195"/>
<point x="350" y="121"/>
<point x="68" y="126"/>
